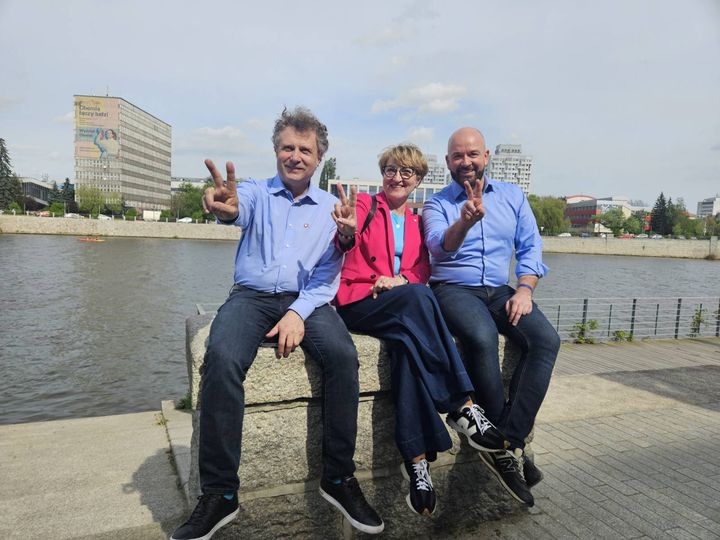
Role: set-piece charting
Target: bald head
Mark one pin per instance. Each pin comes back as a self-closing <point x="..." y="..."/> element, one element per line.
<point x="467" y="156"/>
<point x="465" y="134"/>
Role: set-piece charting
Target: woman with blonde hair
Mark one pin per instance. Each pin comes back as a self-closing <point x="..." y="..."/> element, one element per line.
<point x="383" y="293"/>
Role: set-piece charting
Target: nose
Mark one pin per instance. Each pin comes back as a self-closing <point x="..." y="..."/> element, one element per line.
<point x="466" y="161"/>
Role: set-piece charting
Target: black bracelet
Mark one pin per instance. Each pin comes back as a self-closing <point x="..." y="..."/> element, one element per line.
<point x="532" y="289"/>
<point x="345" y="236"/>
<point x="228" y="221"/>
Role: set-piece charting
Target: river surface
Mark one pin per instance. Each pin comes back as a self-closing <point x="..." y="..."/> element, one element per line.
<point x="90" y="329"/>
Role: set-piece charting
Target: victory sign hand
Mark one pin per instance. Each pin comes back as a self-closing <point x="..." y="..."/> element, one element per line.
<point x="221" y="199"/>
<point x="473" y="209"/>
<point x="345" y="213"/>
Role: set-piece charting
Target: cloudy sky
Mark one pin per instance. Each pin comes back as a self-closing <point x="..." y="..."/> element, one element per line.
<point x="620" y="97"/>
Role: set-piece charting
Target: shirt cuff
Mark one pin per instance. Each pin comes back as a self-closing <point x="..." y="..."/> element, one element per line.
<point x="302" y="307"/>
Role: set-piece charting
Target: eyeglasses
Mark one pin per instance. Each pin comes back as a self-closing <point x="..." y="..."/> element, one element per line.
<point x="405" y="172"/>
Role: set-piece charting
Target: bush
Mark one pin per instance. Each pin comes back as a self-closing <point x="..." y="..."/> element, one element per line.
<point x="581" y="331"/>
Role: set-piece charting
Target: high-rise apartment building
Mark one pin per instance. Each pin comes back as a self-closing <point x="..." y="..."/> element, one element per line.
<point x="436" y="172"/>
<point x="708" y="207"/>
<point x="123" y="151"/>
<point x="509" y="164"/>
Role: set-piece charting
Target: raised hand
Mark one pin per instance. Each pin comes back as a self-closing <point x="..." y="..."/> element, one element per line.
<point x="345" y="213"/>
<point x="473" y="209"/>
<point x="221" y="199"/>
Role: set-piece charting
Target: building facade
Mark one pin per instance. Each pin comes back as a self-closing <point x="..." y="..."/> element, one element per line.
<point x="708" y="207"/>
<point x="123" y="151"/>
<point x="38" y="190"/>
<point x="509" y="164"/>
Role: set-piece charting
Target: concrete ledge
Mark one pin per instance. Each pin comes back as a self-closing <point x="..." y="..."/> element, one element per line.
<point x="279" y="479"/>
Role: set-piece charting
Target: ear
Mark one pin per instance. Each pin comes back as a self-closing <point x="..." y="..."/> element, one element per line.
<point x="447" y="161"/>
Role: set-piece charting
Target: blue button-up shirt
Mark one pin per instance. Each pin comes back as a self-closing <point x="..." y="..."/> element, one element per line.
<point x="484" y="257"/>
<point x="287" y="245"/>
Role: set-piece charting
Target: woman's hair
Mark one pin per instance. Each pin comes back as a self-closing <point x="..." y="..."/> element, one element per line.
<point x="302" y="120"/>
<point x="405" y="155"/>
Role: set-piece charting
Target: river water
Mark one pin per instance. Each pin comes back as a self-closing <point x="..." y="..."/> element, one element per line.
<point x="90" y="329"/>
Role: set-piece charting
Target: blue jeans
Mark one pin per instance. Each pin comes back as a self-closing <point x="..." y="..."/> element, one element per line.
<point x="235" y="335"/>
<point x="475" y="315"/>
<point x="427" y="373"/>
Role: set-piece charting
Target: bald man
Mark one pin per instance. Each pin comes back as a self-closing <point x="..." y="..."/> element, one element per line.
<point x="472" y="229"/>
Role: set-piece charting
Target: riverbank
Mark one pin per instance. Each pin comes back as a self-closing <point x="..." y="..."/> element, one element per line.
<point x="623" y="439"/>
<point x="686" y="249"/>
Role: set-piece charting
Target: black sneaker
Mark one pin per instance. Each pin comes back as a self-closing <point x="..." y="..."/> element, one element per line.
<point x="349" y="499"/>
<point x="532" y="474"/>
<point x="480" y="432"/>
<point x="508" y="468"/>
<point x="421" y="498"/>
<point x="211" y="513"/>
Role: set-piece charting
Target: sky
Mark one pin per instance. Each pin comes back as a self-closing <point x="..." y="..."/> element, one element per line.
<point x="613" y="98"/>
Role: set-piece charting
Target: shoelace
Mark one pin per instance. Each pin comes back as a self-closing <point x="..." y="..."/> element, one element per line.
<point x="482" y="423"/>
<point x="201" y="510"/>
<point x="422" y="476"/>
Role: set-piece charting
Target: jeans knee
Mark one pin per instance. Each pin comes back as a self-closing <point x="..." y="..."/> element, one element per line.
<point x="220" y="365"/>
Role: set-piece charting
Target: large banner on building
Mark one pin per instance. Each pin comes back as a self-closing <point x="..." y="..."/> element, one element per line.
<point x="97" y="127"/>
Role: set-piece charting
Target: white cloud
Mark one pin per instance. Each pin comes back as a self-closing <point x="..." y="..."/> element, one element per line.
<point x="225" y="140"/>
<point x="433" y="98"/>
<point x="67" y="118"/>
<point x="420" y="135"/>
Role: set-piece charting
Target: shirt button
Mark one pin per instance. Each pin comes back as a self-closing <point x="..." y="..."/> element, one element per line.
<point x="284" y="266"/>
<point x="287" y="245"/>
<point x="372" y="276"/>
<point x="372" y="259"/>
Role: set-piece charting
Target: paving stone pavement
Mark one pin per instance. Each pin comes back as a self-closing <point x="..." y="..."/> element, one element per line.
<point x="648" y="473"/>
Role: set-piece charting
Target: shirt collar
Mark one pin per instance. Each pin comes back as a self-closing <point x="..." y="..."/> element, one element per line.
<point x="276" y="186"/>
<point x="458" y="191"/>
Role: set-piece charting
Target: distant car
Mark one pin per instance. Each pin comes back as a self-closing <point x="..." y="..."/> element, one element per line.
<point x="627" y="235"/>
<point x="585" y="235"/>
<point x="693" y="238"/>
<point x="103" y="216"/>
<point x="681" y="237"/>
<point x="641" y="236"/>
<point x="185" y="220"/>
<point x="73" y="215"/>
<point x="43" y="213"/>
<point x="656" y="236"/>
<point x="564" y="235"/>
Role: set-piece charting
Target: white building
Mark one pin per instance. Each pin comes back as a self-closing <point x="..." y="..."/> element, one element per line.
<point x="177" y="181"/>
<point x="708" y="207"/>
<point x="437" y="174"/>
<point x="509" y="164"/>
<point x="123" y="151"/>
<point x="416" y="199"/>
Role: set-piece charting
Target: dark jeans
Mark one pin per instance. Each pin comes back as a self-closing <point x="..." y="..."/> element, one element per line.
<point x="475" y="315"/>
<point x="235" y="335"/>
<point x="426" y="370"/>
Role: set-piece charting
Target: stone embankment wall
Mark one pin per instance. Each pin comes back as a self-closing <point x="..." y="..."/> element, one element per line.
<point x="689" y="249"/>
<point x="116" y="227"/>
<point x="281" y="465"/>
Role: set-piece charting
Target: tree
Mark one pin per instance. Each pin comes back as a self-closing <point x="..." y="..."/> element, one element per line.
<point x="187" y="201"/>
<point x="90" y="199"/>
<point x="613" y="219"/>
<point x="10" y="187"/>
<point x="549" y="213"/>
<point x="67" y="191"/>
<point x="328" y="173"/>
<point x="633" y="224"/>
<point x="55" y="195"/>
<point x="659" y="220"/>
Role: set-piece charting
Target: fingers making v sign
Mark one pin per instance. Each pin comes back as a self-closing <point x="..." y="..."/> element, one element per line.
<point x="345" y="213"/>
<point x="221" y="199"/>
<point x="473" y="210"/>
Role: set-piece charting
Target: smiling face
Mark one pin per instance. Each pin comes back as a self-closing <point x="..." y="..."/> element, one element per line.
<point x="297" y="158"/>
<point x="397" y="189"/>
<point x="467" y="156"/>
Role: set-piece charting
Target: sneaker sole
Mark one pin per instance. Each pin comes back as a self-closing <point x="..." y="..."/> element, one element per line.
<point x="472" y="443"/>
<point x="493" y="470"/>
<point x="427" y="513"/>
<point x="369" y="529"/>
<point x="224" y="521"/>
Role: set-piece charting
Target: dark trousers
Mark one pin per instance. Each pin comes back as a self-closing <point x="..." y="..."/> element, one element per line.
<point x="427" y="373"/>
<point x="235" y="335"/>
<point x="475" y="315"/>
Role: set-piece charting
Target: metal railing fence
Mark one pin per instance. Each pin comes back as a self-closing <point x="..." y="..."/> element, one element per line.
<point x="626" y="319"/>
<point x="587" y="320"/>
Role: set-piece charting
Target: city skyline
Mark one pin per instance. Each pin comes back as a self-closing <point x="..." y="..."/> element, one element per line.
<point x="610" y="99"/>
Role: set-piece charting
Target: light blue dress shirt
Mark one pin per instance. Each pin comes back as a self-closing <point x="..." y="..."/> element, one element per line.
<point x="399" y="237"/>
<point x="286" y="245"/>
<point x="484" y="257"/>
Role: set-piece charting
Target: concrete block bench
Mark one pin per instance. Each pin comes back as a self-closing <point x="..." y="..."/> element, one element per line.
<point x="279" y="478"/>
